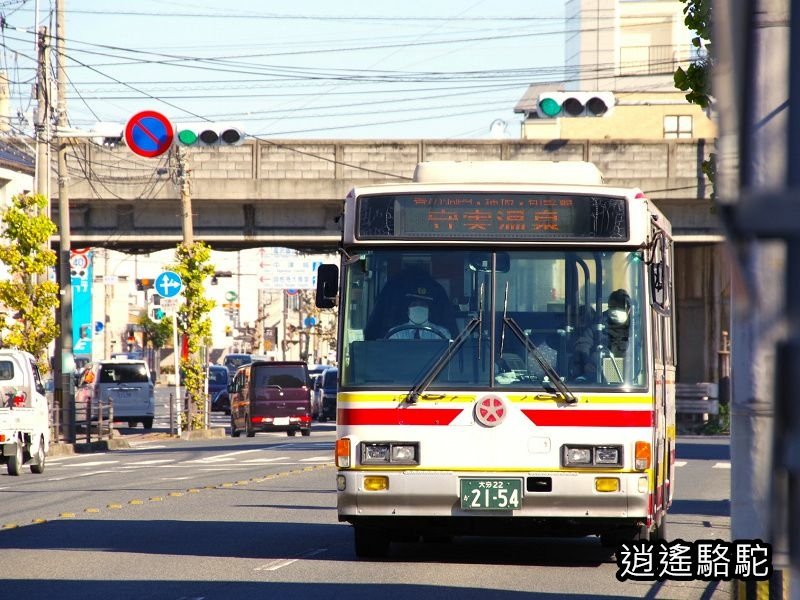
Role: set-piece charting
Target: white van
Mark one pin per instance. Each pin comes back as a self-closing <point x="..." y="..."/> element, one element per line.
<point x="126" y="382"/>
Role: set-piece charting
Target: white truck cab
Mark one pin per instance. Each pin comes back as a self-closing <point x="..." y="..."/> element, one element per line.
<point x="24" y="413"/>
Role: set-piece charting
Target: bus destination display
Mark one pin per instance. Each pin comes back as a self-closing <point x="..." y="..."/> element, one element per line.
<point x="492" y="216"/>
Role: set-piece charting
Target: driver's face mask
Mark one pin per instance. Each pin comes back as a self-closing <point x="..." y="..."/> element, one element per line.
<point x="418" y="314"/>
<point x="618" y="316"/>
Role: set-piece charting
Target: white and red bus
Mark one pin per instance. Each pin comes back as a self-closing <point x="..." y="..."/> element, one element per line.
<point x="506" y="356"/>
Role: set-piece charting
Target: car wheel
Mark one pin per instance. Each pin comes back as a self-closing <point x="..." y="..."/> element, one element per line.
<point x="291" y="432"/>
<point x="370" y="542"/>
<point x="38" y="465"/>
<point x="14" y="465"/>
<point x="305" y="432"/>
<point x="131" y="423"/>
<point x="147" y="423"/>
<point x="234" y="432"/>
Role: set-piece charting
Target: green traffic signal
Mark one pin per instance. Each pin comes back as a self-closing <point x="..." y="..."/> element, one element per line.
<point x="209" y="134"/>
<point x="187" y="137"/>
<point x="549" y="107"/>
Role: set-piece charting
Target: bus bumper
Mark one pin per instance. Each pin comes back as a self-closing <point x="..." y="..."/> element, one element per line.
<point x="562" y="503"/>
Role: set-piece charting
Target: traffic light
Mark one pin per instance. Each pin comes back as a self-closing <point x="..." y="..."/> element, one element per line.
<point x="574" y="104"/>
<point x="157" y="313"/>
<point x="209" y="134"/>
<point x="144" y="284"/>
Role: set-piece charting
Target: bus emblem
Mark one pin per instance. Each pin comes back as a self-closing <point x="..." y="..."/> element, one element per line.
<point x="490" y="411"/>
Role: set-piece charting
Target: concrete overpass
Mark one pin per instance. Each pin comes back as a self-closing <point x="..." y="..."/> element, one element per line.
<point x="289" y="192"/>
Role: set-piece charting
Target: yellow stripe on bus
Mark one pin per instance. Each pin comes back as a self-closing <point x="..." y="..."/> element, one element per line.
<point x="397" y="397"/>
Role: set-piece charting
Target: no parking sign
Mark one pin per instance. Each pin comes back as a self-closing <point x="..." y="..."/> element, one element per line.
<point x="149" y="133"/>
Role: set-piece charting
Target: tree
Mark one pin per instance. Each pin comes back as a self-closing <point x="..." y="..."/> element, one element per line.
<point x="696" y="78"/>
<point x="194" y="267"/>
<point x="157" y="332"/>
<point x="29" y="298"/>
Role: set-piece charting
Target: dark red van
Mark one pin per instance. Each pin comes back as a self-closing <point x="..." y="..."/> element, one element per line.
<point x="271" y="396"/>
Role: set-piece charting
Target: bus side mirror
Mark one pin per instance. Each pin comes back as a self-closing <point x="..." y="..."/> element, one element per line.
<point x="327" y="286"/>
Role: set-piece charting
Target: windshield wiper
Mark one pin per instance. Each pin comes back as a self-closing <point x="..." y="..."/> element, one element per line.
<point x="419" y="389"/>
<point x="551" y="373"/>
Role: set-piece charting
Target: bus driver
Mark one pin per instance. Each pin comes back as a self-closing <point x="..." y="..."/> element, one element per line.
<point x="419" y="325"/>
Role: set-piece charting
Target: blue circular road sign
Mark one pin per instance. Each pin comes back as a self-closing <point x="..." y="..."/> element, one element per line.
<point x="149" y="133"/>
<point x="168" y="284"/>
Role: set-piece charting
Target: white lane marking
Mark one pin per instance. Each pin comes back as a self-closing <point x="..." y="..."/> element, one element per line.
<point x="317" y="459"/>
<point x="279" y="563"/>
<point x="680" y="463"/>
<point x="259" y="461"/>
<point x="152" y="462"/>
<point x="142" y="446"/>
<point x="175" y="478"/>
<point x="223" y="457"/>
<point x="94" y="463"/>
<point x="79" y="475"/>
<point x="722" y="465"/>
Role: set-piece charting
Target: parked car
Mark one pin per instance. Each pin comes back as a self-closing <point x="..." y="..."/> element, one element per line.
<point x="316" y="394"/>
<point x="126" y="382"/>
<point x="218" y="381"/>
<point x="329" y="387"/>
<point x="271" y="396"/>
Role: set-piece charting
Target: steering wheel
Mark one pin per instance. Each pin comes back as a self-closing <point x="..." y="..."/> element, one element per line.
<point x="407" y="326"/>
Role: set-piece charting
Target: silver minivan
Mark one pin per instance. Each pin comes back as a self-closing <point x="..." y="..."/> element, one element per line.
<point x="126" y="382"/>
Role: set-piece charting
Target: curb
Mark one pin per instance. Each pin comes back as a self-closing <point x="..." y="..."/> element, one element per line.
<point x="117" y="443"/>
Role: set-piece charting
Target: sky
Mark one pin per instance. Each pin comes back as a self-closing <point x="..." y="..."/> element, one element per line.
<point x="302" y="69"/>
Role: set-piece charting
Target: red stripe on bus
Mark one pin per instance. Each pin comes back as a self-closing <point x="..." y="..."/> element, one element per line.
<point x="590" y="418"/>
<point x="397" y="416"/>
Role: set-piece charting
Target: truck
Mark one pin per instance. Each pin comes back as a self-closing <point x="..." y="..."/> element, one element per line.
<point x="24" y="413"/>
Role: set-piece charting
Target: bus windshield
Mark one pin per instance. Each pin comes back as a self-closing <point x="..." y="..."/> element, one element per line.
<point x="544" y="313"/>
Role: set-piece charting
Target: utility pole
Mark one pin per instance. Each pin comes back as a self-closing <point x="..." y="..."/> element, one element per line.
<point x="42" y="118"/>
<point x="757" y="85"/>
<point x="260" y="316"/>
<point x="65" y="243"/>
<point x="184" y="178"/>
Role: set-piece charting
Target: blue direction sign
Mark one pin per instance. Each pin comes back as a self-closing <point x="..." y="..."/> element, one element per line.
<point x="149" y="133"/>
<point x="168" y="284"/>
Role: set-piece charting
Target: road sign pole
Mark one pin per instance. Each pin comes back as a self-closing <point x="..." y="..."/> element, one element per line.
<point x="176" y="362"/>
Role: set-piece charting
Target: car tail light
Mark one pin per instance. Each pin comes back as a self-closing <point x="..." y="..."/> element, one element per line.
<point x="19" y="399"/>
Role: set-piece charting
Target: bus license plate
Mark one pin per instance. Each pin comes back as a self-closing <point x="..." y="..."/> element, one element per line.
<point x="492" y="494"/>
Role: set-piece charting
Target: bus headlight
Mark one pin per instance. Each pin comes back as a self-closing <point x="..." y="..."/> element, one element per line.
<point x="381" y="453"/>
<point x="591" y="456"/>
<point x="607" y="455"/>
<point x="577" y="456"/>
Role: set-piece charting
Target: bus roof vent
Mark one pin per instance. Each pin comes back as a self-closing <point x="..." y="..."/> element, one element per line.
<point x="508" y="171"/>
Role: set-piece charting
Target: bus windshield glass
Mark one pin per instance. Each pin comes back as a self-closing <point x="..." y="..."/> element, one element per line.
<point x="580" y="311"/>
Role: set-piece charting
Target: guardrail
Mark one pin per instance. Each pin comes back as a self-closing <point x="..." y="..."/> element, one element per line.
<point x="697" y="398"/>
<point x="92" y="421"/>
